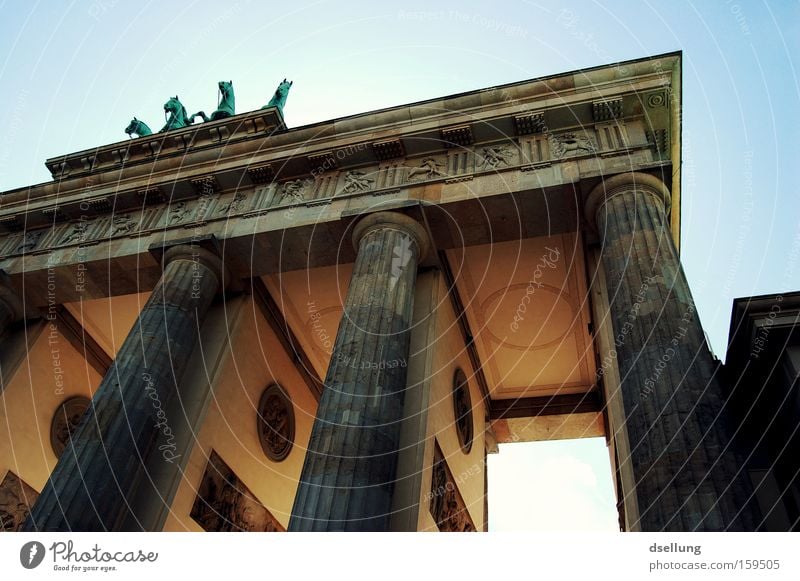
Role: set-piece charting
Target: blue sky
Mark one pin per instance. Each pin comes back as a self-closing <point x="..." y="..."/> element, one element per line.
<point x="73" y="74"/>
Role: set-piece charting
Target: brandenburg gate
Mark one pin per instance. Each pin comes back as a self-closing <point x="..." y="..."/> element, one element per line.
<point x="234" y="325"/>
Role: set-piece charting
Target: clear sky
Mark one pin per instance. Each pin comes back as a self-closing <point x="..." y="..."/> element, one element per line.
<point x="73" y="74"/>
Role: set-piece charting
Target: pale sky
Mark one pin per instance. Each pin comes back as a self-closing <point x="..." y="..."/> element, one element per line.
<point x="74" y="73"/>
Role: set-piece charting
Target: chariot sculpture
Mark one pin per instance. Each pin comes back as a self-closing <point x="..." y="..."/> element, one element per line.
<point x="177" y="118"/>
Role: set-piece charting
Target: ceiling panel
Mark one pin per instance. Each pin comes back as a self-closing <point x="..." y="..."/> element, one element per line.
<point x="527" y="307"/>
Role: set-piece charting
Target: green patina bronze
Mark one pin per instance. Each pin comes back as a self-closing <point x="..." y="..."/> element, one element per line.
<point x="226" y="106"/>
<point x="176" y="115"/>
<point x="137" y="127"/>
<point x="279" y="98"/>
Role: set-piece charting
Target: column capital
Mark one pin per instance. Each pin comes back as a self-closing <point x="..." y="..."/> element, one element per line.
<point x="195" y="253"/>
<point x="394" y="221"/>
<point x="625" y="183"/>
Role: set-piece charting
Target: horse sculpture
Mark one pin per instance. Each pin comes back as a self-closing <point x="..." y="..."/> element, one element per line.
<point x="140" y="128"/>
<point x="279" y="98"/>
<point x="177" y="118"/>
<point x="226" y="106"/>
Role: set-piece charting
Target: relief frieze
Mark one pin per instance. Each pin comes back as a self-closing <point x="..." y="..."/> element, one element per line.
<point x="224" y="504"/>
<point x="388" y="177"/>
<point x="16" y="500"/>
<point x="447" y="507"/>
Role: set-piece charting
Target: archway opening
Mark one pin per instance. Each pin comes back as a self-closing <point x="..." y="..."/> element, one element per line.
<point x="556" y="485"/>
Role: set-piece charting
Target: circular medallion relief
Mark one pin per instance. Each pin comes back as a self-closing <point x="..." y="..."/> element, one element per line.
<point x="65" y="422"/>
<point x="275" y="423"/>
<point x="462" y="408"/>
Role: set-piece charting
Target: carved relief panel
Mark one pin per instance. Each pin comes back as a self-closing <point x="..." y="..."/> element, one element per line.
<point x="462" y="411"/>
<point x="225" y="504"/>
<point x="447" y="507"/>
<point x="357" y="181"/>
<point x="65" y="421"/>
<point x="123" y="224"/>
<point x="16" y="500"/>
<point x="233" y="204"/>
<point x="572" y="144"/>
<point x="275" y="423"/>
<point x="293" y="192"/>
<point x="494" y="157"/>
<point x="427" y="168"/>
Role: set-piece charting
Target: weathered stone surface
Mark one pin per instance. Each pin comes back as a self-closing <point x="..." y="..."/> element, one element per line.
<point x="349" y="471"/>
<point x="10" y="305"/>
<point x="97" y="474"/>
<point x="686" y="473"/>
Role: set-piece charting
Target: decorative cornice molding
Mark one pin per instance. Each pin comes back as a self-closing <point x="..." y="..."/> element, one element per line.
<point x="262" y="174"/>
<point x="529" y="123"/>
<point x="607" y="109"/>
<point x="460" y="136"/>
<point x="202" y="200"/>
<point x="110" y="157"/>
<point x="388" y="149"/>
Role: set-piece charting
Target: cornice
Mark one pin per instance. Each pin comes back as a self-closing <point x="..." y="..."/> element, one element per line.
<point x="264" y="129"/>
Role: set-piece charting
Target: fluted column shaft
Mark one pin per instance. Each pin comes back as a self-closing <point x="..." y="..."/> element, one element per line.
<point x="93" y="484"/>
<point x="349" y="471"/>
<point x="685" y="469"/>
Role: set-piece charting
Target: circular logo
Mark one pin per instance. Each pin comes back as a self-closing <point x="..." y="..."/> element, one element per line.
<point x="31" y="554"/>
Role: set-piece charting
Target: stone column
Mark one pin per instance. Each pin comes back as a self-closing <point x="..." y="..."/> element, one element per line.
<point x="686" y="472"/>
<point x="349" y="471"/>
<point x="94" y="483"/>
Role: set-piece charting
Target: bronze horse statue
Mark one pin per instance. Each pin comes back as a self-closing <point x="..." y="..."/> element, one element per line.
<point x="176" y="115"/>
<point x="226" y="106"/>
<point x="279" y="98"/>
<point x="177" y="118"/>
<point x="137" y="127"/>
